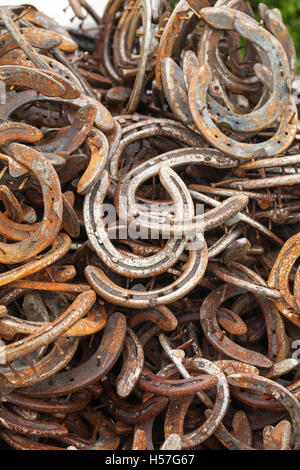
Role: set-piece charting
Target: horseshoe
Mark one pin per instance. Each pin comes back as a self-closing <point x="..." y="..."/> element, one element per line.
<point x="279" y="279"/>
<point x="192" y="275"/>
<point x="140" y="78"/>
<point x="99" y="148"/>
<point x="280" y="141"/>
<point x="77" y="403"/>
<point x="274" y="23"/>
<point x="45" y="82"/>
<point x="175" y="89"/>
<point x="47" y="231"/>
<point x="169" y="388"/>
<point x="69" y="138"/>
<point x="179" y="407"/>
<point x="162" y="316"/>
<point x="94" y="322"/>
<point x="103" y="119"/>
<point x="90" y="371"/>
<point x="276" y="390"/>
<point x="129" y="413"/>
<point x="228" y="18"/>
<point x="37" y="37"/>
<point x="126" y="193"/>
<point x="214" y="334"/>
<point x="133" y="357"/>
<point x="44" y="336"/>
<point x="13" y="209"/>
<point x="148" y="128"/>
<point x="16" y="423"/>
<point x="18" y="442"/>
<point x="180" y="21"/>
<point x="61" y="246"/>
<point x="22" y="376"/>
<point x="99" y="238"/>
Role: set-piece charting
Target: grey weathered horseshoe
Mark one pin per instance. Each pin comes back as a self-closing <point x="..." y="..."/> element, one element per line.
<point x="280" y="393"/>
<point x="90" y="371"/>
<point x="215" y="418"/>
<point x="126" y="265"/>
<point x="99" y="148"/>
<point x="148" y="128"/>
<point x="126" y="194"/>
<point x="277" y="144"/>
<point x="274" y="23"/>
<point x="213" y="332"/>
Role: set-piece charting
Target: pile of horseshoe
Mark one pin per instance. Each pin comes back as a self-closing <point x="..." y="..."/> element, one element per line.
<point x="176" y="325"/>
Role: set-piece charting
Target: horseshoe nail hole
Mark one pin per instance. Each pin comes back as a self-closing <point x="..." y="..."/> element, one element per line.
<point x="71" y="379"/>
<point x="279" y="142"/>
<point x="216" y="137"/>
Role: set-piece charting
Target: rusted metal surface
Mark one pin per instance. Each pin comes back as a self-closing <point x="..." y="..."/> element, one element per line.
<point x="179" y="317"/>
